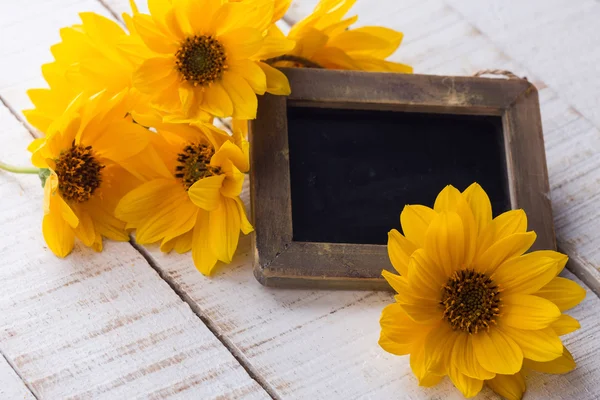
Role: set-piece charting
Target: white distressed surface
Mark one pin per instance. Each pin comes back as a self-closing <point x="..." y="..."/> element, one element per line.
<point x="11" y="386"/>
<point x="305" y="344"/>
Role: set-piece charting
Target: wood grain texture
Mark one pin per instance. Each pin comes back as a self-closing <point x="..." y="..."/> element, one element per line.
<point x="321" y="344"/>
<point x="11" y="385"/>
<point x="102" y="326"/>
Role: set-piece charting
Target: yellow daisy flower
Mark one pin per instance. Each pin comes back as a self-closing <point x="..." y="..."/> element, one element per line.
<point x="190" y="198"/>
<point x="89" y="59"/>
<point x="324" y="38"/>
<point x="206" y="56"/>
<point x="470" y="303"/>
<point x="82" y="154"/>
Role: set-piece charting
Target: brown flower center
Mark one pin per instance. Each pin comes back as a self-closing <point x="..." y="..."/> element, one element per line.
<point x="78" y="173"/>
<point x="471" y="301"/>
<point x="201" y="60"/>
<point x="194" y="164"/>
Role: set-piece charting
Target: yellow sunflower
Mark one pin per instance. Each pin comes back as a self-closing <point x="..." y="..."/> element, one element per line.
<point x="82" y="153"/>
<point x="470" y="303"/>
<point x="90" y="58"/>
<point x="206" y="56"/>
<point x="324" y="38"/>
<point x="190" y="198"/>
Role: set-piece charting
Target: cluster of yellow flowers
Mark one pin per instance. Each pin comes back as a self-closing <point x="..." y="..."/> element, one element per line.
<point x="470" y="304"/>
<point x="129" y="141"/>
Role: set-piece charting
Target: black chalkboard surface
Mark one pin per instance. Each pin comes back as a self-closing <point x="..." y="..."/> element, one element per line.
<point x="334" y="164"/>
<point x="352" y="171"/>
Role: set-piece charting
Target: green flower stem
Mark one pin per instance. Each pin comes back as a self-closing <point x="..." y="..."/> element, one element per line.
<point x="19" y="170"/>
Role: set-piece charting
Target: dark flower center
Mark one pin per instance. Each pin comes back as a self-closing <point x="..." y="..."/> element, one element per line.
<point x="78" y="173"/>
<point x="201" y="60"/>
<point x="471" y="301"/>
<point x="194" y="164"/>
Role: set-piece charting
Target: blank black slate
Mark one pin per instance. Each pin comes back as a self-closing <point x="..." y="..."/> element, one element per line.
<point x="352" y="171"/>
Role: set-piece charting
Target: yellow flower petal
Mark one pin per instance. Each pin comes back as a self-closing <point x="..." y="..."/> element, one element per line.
<point x="480" y="205"/>
<point x="202" y="13"/>
<point x="424" y="276"/>
<point x="398" y="283"/>
<point x="399" y="328"/>
<point x="216" y="100"/>
<point x="230" y="151"/>
<point x="399" y="349"/>
<point x="206" y="193"/>
<point x="561" y="365"/>
<point x="242" y="96"/>
<point x="234" y="181"/>
<point x="468" y="386"/>
<point x="525" y="274"/>
<point x="503" y="250"/>
<point x="85" y="230"/>
<point x="277" y="82"/>
<point x="224" y="230"/>
<point x="524" y="311"/>
<point x="202" y="254"/>
<point x="399" y="250"/>
<point x="465" y="361"/>
<point x="252" y="73"/>
<point x="274" y="47"/>
<point x="419" y="367"/>
<point x="537" y="345"/>
<point x="496" y="352"/>
<point x="241" y="43"/>
<point x="246" y="226"/>
<point x="563" y="292"/>
<point x="561" y="259"/>
<point x="415" y="221"/>
<point x="391" y="37"/>
<point x="155" y="74"/>
<point x="59" y="236"/>
<point x="504" y="225"/>
<point x="565" y="325"/>
<point x="447" y="199"/>
<point x="152" y="36"/>
<point x="438" y="348"/>
<point x="511" y="387"/>
<point x="131" y="138"/>
<point x="445" y="241"/>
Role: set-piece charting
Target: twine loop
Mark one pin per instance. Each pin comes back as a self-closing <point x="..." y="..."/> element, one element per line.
<point x="498" y="72"/>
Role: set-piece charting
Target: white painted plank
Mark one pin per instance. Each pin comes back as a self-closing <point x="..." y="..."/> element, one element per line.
<point x="101" y="325"/>
<point x="321" y="344"/>
<point x="11" y="386"/>
<point x="93" y="325"/>
<point x="558" y="40"/>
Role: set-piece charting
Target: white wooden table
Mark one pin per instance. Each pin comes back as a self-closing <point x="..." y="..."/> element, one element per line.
<point x="133" y="323"/>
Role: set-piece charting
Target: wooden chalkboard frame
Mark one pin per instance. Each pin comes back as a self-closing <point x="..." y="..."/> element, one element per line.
<point x="281" y="262"/>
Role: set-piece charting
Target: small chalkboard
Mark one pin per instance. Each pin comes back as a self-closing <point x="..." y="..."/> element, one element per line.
<point x="334" y="164"/>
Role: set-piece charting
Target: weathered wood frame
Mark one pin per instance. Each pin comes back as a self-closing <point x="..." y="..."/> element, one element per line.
<point x="279" y="261"/>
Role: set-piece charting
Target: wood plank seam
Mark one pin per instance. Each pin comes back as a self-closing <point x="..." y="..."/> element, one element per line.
<point x="25" y="382"/>
<point x="226" y="342"/>
<point x="19" y="118"/>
